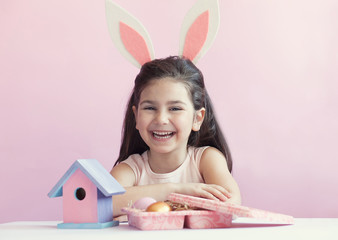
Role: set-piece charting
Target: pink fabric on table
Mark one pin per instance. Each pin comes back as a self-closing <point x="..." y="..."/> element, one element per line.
<point x="232" y="209"/>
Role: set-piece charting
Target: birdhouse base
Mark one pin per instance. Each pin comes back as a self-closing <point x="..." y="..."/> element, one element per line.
<point x="87" y="225"/>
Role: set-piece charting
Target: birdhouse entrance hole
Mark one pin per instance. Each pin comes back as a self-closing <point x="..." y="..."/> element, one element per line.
<point x="80" y="194"/>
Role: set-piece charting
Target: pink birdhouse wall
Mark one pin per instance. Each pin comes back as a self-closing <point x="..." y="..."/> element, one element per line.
<point x="79" y="207"/>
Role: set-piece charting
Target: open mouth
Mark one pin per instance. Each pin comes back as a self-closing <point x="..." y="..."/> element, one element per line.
<point x="162" y="135"/>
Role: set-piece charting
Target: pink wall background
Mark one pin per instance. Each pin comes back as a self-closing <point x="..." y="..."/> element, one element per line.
<point x="272" y="74"/>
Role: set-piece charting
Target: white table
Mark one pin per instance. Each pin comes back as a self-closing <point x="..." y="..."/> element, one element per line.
<point x="304" y="228"/>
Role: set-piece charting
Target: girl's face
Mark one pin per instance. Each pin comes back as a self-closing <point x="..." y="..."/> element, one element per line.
<point x="165" y="115"/>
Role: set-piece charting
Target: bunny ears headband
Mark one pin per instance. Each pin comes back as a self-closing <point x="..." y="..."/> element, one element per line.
<point x="198" y="32"/>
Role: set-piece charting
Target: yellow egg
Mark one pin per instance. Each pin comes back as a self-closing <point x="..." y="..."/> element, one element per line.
<point x="159" y="207"/>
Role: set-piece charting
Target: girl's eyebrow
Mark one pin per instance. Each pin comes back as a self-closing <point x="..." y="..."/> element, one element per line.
<point x="168" y="103"/>
<point x="147" y="102"/>
<point x="176" y="102"/>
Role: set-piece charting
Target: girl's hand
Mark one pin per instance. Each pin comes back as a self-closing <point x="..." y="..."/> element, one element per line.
<point x="209" y="191"/>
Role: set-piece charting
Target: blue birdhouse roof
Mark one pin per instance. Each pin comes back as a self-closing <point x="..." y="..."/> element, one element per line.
<point x="105" y="182"/>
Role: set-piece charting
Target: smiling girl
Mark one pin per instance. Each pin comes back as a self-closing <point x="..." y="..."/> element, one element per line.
<point x="171" y="139"/>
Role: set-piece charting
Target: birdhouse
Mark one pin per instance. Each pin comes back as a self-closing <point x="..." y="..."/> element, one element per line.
<point x="87" y="189"/>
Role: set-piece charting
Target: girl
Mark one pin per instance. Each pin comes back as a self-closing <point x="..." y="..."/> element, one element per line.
<point x="171" y="139"/>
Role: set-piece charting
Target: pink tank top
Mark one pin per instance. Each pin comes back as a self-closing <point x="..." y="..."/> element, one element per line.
<point x="188" y="172"/>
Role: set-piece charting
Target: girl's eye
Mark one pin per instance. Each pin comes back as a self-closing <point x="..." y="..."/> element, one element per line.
<point x="175" y="109"/>
<point x="149" y="108"/>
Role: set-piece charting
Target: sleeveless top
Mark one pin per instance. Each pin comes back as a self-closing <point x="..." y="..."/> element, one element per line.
<point x="187" y="172"/>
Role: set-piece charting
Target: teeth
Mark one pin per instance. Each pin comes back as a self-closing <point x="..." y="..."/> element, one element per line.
<point x="162" y="135"/>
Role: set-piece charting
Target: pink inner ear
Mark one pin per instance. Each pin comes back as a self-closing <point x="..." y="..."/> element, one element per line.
<point x="196" y="36"/>
<point x="134" y="43"/>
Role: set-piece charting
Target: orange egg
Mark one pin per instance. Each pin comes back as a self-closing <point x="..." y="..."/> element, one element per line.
<point x="159" y="207"/>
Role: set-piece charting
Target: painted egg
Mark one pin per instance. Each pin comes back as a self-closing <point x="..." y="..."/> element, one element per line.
<point x="143" y="203"/>
<point x="159" y="207"/>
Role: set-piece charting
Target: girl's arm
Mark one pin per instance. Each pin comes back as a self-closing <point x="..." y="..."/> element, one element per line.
<point x="214" y="169"/>
<point x="126" y="177"/>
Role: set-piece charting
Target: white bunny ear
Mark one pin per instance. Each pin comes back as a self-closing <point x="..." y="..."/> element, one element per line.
<point x="129" y="35"/>
<point x="199" y="29"/>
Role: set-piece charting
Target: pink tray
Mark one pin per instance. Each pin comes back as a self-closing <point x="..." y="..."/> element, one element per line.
<point x="196" y="219"/>
<point x="208" y="219"/>
<point x="217" y="214"/>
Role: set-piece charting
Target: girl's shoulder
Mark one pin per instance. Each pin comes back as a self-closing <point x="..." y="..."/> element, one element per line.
<point x="212" y="152"/>
<point x="212" y="157"/>
<point x="132" y="167"/>
<point x="136" y="160"/>
<point x="206" y="156"/>
<point x="137" y="157"/>
<point x="197" y="152"/>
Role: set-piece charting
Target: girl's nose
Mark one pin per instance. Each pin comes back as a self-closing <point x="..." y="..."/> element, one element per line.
<point x="162" y="117"/>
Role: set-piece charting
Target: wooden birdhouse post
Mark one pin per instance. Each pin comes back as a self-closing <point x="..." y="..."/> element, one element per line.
<point x="87" y="189"/>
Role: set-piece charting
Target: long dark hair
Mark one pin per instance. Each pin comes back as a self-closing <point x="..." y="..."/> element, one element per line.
<point x="183" y="70"/>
